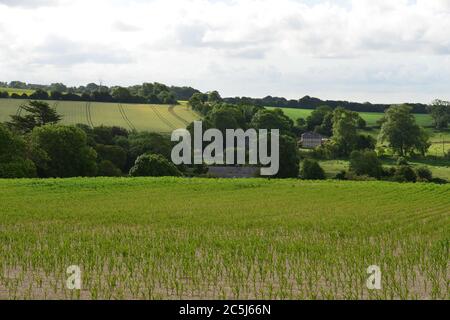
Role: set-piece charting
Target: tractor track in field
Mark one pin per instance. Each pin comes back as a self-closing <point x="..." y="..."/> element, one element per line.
<point x="164" y="120"/>
<point x="125" y="117"/>
<point x="89" y="115"/>
<point x="173" y="113"/>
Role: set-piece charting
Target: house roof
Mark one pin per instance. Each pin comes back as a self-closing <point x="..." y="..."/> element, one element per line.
<point x="312" y="135"/>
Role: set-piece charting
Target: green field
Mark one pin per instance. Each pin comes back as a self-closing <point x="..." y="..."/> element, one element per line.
<point x="156" y="118"/>
<point x="371" y="118"/>
<point x="18" y="91"/>
<point x="151" y="238"/>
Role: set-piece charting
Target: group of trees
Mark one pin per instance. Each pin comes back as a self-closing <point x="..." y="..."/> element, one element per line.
<point x="35" y="145"/>
<point x="220" y="115"/>
<point x="155" y="93"/>
<point x="308" y="102"/>
<point x="366" y="165"/>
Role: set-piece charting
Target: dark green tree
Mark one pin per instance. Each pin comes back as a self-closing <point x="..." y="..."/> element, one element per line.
<point x="440" y="112"/>
<point x="36" y="114"/>
<point x="153" y="165"/>
<point x="401" y="132"/>
<point x="366" y="163"/>
<point x="63" y="152"/>
<point x="311" y="170"/>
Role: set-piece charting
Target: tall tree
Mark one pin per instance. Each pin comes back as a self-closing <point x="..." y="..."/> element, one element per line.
<point x="345" y="135"/>
<point x="400" y="130"/>
<point x="440" y="112"/>
<point x="37" y="113"/>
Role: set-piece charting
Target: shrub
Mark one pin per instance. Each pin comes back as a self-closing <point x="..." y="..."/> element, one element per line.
<point x="65" y="151"/>
<point x="153" y="165"/>
<point x="311" y="170"/>
<point x="405" y="174"/>
<point x="401" y="161"/>
<point x="424" y="174"/>
<point x="366" y="163"/>
<point x="107" y="169"/>
<point x="364" y="142"/>
<point x="114" y="154"/>
<point x="20" y="168"/>
<point x="342" y="175"/>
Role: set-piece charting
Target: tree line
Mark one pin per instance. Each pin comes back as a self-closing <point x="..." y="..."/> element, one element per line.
<point x="308" y="102"/>
<point x="154" y="93"/>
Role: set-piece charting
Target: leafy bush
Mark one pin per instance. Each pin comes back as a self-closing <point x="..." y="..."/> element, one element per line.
<point x="64" y="151"/>
<point x="153" y="165"/>
<point x="107" y="169"/>
<point x="311" y="170"/>
<point x="21" y="168"/>
<point x="405" y="174"/>
<point x="424" y="174"/>
<point x="114" y="154"/>
<point x="366" y="163"/>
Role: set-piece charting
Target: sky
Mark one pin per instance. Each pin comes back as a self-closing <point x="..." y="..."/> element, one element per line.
<point x="383" y="51"/>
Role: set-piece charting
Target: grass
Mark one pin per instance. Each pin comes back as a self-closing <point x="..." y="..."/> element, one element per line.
<point x="371" y="118"/>
<point x="171" y="238"/>
<point x="156" y="118"/>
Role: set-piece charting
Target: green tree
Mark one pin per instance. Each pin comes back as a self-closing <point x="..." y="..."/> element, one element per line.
<point x="214" y="96"/>
<point x="107" y="169"/>
<point x="400" y="130"/>
<point x="366" y="163"/>
<point x="153" y="165"/>
<point x="289" y="158"/>
<point x="345" y="134"/>
<point x="317" y="117"/>
<point x="13" y="156"/>
<point x="273" y="119"/>
<point x="121" y="94"/>
<point x="36" y="114"/>
<point x="424" y="174"/>
<point x="112" y="153"/>
<point x="405" y="174"/>
<point x="326" y="128"/>
<point x="63" y="152"/>
<point x="440" y="112"/>
<point x="311" y="170"/>
<point x="148" y="142"/>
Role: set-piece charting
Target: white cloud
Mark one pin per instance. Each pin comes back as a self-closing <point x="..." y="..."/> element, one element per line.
<point x="348" y="49"/>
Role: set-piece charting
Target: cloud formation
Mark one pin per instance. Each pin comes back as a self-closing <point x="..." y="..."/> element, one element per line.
<point x="382" y="51"/>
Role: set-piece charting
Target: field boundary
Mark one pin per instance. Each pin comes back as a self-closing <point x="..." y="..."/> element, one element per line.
<point x="125" y="117"/>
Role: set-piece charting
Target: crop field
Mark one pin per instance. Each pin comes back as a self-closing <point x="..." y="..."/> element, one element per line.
<point x="156" y="118"/>
<point x="18" y="91"/>
<point x="170" y="238"/>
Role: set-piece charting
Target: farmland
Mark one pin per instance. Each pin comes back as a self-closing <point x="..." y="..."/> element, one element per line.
<point x="156" y="118"/>
<point x="17" y="91"/>
<point x="371" y="118"/>
<point x="235" y="239"/>
<point x="436" y="138"/>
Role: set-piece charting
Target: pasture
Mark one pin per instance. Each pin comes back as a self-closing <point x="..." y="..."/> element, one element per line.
<point x="140" y="117"/>
<point x="371" y="118"/>
<point x="170" y="238"/>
